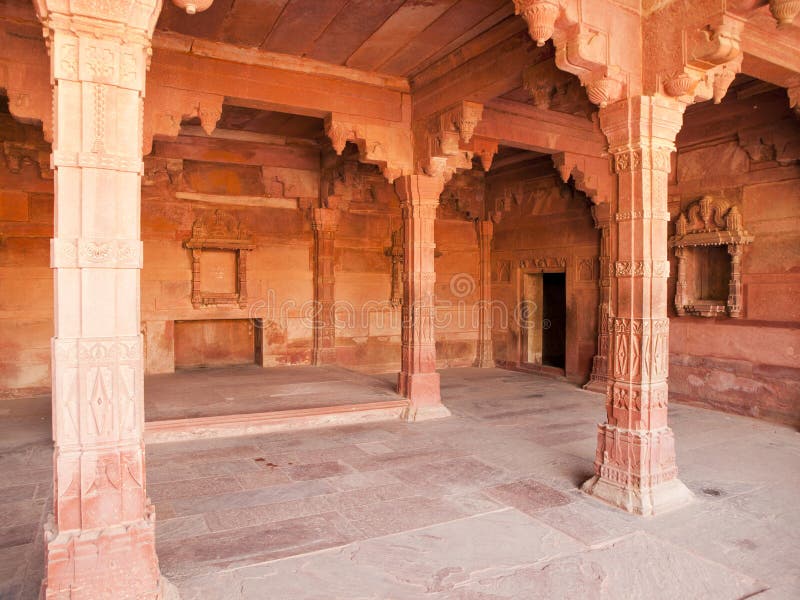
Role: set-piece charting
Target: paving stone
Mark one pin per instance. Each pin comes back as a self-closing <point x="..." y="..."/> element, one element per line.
<point x="528" y="495"/>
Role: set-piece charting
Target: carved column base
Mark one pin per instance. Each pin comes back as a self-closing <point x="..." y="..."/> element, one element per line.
<point x="117" y="562"/>
<point x="635" y="471"/>
<point x="422" y="391"/>
<point x="324" y="356"/>
<point x="485" y="358"/>
<point x="485" y="363"/>
<point x="427" y="413"/>
<point x="596" y="383"/>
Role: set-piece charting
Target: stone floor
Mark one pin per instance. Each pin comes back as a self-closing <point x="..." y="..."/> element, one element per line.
<point x="483" y="505"/>
<point x="251" y="389"/>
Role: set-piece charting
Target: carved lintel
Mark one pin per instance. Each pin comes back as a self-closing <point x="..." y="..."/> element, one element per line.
<point x="388" y="146"/>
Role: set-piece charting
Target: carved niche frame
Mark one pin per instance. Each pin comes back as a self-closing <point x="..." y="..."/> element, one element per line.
<point x="709" y="222"/>
<point x="219" y="231"/>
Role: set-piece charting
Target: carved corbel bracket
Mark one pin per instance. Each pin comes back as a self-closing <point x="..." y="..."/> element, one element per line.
<point x="592" y="175"/>
<point x="386" y="145"/>
<point x="542" y="81"/>
<point x="444" y="143"/>
<point x="463" y="119"/>
<point x="30" y="97"/>
<point x="581" y="49"/>
<point x="711" y="58"/>
<point x="484" y="148"/>
<point x="17" y="154"/>
<point x="794" y="99"/>
<point x="784" y="11"/>
<point x="166" y="107"/>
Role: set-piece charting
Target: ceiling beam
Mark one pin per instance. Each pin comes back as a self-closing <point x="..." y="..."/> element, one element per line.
<point x="529" y="128"/>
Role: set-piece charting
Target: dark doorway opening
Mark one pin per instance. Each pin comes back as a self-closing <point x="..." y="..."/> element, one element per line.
<point x="554" y="319"/>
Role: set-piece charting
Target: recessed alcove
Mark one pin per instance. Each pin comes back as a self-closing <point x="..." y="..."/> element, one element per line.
<point x="708" y="241"/>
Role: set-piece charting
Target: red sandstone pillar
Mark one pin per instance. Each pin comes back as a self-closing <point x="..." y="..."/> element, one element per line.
<point x="485" y="355"/>
<point x="418" y="380"/>
<point x="599" y="377"/>
<point x="635" y="462"/>
<point x="100" y="541"/>
<point x="325" y="222"/>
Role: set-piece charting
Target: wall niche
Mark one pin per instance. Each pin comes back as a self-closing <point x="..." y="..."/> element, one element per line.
<point x="219" y="246"/>
<point x="708" y="242"/>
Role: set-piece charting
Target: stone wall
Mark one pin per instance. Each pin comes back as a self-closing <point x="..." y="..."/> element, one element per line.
<point x="268" y="190"/>
<point x="26" y="281"/>
<point x="545" y="226"/>
<point x="744" y="151"/>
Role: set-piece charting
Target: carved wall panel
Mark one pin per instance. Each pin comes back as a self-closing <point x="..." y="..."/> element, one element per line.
<point x="219" y="248"/>
<point x="706" y="225"/>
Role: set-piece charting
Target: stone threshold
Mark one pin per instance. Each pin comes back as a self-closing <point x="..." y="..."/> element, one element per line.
<point x="173" y="430"/>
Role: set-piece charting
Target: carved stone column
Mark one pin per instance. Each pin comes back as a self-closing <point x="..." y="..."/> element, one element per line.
<point x="418" y="380"/>
<point x="100" y="541"/>
<point x="635" y="462"/>
<point x="485" y="355"/>
<point x="325" y="222"/>
<point x="680" y="283"/>
<point x="735" y="284"/>
<point x="599" y="376"/>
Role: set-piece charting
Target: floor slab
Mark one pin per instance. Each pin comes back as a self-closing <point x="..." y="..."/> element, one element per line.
<point x="482" y="505"/>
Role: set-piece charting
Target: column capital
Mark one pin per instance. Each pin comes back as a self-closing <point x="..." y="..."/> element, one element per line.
<point x="325" y="219"/>
<point x="642" y="121"/>
<point x="121" y="18"/>
<point x="419" y="190"/>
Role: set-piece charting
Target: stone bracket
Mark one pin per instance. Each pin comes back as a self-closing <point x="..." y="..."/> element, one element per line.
<point x="710" y="59"/>
<point x="582" y="49"/>
<point x="380" y="143"/>
<point x="166" y="107"/>
<point x="592" y="175"/>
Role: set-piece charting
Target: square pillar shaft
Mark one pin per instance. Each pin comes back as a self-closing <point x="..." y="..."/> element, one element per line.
<point x="485" y="354"/>
<point x="635" y="461"/>
<point x="324" y="222"/>
<point x="418" y="380"/>
<point x="100" y="541"/>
